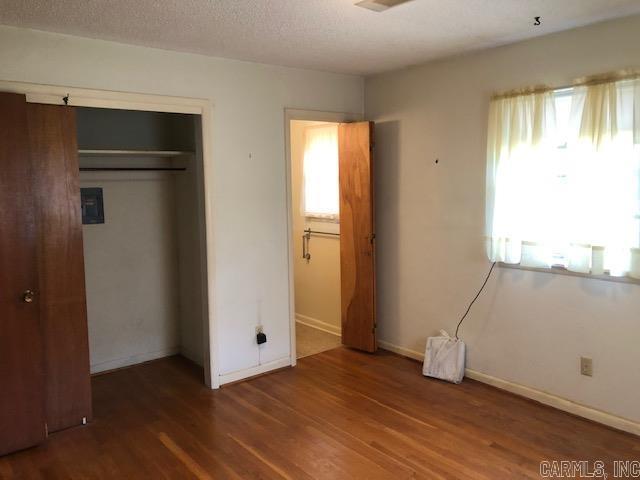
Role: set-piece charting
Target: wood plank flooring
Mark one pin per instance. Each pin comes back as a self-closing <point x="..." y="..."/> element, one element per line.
<point x="340" y="414"/>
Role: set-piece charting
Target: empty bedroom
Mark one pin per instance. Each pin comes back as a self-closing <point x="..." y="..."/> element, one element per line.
<point x="319" y="239"/>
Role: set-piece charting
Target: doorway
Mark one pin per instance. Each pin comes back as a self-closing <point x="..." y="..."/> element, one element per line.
<point x="316" y="235"/>
<point x="331" y="232"/>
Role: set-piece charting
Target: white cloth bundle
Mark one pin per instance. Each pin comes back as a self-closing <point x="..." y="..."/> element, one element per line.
<point x="444" y="358"/>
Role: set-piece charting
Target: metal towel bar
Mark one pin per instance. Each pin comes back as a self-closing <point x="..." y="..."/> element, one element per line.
<point x="307" y="236"/>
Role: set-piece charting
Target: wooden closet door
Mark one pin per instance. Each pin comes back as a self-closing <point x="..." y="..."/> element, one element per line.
<point x="54" y="158"/>
<point x="22" y="418"/>
<point x="357" y="236"/>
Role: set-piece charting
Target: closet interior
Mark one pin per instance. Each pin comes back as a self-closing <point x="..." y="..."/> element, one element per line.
<point x="143" y="222"/>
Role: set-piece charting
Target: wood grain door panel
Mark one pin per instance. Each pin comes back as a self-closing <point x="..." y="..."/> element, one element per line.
<point x="54" y="155"/>
<point x="22" y="414"/>
<point x="357" y="234"/>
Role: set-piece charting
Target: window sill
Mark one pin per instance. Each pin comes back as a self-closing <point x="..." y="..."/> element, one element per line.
<point x="311" y="218"/>
<point x="564" y="271"/>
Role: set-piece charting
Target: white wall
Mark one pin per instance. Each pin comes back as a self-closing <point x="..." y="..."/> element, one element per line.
<point x="317" y="281"/>
<point x="191" y="244"/>
<point x="528" y="328"/>
<point x="131" y="270"/>
<point x="248" y="194"/>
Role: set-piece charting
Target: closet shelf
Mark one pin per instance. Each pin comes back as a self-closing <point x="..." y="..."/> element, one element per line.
<point x="132" y="153"/>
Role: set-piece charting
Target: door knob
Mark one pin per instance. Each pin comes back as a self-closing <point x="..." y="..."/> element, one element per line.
<point x="28" y="296"/>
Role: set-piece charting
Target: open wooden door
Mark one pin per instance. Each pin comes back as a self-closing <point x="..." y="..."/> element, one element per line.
<point x="22" y="401"/>
<point x="54" y="158"/>
<point x="357" y="236"/>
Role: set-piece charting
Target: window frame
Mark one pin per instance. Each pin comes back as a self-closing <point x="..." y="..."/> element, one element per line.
<point x="560" y="269"/>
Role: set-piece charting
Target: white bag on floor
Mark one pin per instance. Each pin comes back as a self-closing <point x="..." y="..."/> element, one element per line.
<point x="444" y="358"/>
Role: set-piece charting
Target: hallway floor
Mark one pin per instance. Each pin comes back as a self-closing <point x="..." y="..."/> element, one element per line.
<point x="310" y="341"/>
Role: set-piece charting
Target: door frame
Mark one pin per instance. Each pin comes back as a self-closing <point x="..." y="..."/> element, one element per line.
<point x="81" y="97"/>
<point x="312" y="116"/>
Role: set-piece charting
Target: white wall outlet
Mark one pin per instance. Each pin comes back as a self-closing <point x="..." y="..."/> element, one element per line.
<point x="586" y="366"/>
<point x="259" y="329"/>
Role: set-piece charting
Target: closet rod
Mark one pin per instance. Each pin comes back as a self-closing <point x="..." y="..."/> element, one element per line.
<point x="132" y="169"/>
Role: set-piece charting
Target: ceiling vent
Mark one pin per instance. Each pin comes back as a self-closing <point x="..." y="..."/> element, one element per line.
<point x="380" y="5"/>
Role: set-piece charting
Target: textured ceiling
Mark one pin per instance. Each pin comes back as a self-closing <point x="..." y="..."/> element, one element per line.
<point x="332" y="35"/>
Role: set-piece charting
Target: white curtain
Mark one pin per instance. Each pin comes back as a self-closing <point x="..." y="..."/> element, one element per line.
<point x="518" y="158"/>
<point x="575" y="203"/>
<point x="321" y="194"/>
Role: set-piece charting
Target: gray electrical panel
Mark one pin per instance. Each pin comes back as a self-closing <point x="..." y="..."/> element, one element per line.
<point x="92" y="206"/>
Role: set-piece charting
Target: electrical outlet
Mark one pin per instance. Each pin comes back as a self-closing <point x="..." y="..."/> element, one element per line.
<point x="260" y="336"/>
<point x="586" y="366"/>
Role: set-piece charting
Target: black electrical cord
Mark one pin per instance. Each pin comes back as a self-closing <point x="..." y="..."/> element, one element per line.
<point x="476" y="297"/>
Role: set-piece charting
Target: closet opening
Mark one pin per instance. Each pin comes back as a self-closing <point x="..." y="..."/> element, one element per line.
<point x="142" y="195"/>
<point x="104" y="239"/>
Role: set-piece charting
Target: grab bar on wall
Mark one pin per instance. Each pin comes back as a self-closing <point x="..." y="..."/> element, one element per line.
<point x="307" y="236"/>
<point x="305" y="247"/>
<point x="308" y="231"/>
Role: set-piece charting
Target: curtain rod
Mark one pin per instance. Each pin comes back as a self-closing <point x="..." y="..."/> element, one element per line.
<point x="581" y="82"/>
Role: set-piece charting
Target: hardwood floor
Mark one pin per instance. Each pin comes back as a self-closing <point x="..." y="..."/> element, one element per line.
<point x="339" y="414"/>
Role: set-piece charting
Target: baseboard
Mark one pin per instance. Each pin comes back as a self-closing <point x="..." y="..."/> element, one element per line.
<point x="132" y="360"/>
<point x="545" y="398"/>
<point x="252" y="372"/>
<point x="318" y="324"/>
<point x="405" y="352"/>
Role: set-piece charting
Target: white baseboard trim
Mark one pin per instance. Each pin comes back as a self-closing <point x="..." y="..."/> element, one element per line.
<point x="132" y="360"/>
<point x="405" y="352"/>
<point x="252" y="372"/>
<point x="545" y="398"/>
<point x="557" y="402"/>
<point x="318" y="324"/>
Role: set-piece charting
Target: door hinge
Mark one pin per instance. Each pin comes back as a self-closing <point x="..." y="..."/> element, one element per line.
<point x="46" y="429"/>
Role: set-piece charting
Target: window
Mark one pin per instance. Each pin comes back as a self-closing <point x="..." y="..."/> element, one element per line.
<point x="321" y="197"/>
<point x="563" y="179"/>
<point x="558" y="188"/>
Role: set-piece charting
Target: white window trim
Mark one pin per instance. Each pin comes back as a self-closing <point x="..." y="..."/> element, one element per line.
<point x="560" y="270"/>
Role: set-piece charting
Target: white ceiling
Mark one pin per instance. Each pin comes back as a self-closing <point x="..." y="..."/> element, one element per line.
<point x="332" y="35"/>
